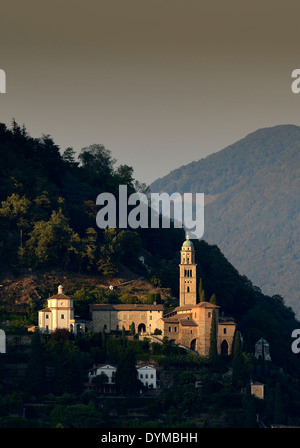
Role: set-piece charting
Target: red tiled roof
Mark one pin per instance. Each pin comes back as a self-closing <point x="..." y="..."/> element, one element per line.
<point x="59" y="296"/>
<point x="188" y="323"/>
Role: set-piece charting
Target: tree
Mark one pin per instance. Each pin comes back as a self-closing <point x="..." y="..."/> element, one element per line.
<point x="200" y="289"/>
<point x="36" y="371"/>
<point x="53" y="242"/>
<point x="126" y="374"/>
<point x="109" y="258"/>
<point x="89" y="248"/>
<point x="278" y="405"/>
<point x="15" y="207"/>
<point x="67" y="361"/>
<point x="69" y="157"/>
<point x="213" y="299"/>
<point x="250" y="413"/>
<point x="132" y="328"/>
<point x="213" y="349"/>
<point x="99" y="380"/>
<point x="124" y="339"/>
<point x="76" y="416"/>
<point x="237" y="362"/>
<point x="97" y="165"/>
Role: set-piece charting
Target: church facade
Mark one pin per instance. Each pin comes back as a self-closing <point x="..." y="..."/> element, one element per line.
<point x="59" y="314"/>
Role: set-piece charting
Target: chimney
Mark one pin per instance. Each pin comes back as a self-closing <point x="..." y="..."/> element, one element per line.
<point x="60" y="289"/>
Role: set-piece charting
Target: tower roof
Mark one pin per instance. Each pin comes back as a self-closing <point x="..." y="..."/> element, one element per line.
<point x="188" y="243"/>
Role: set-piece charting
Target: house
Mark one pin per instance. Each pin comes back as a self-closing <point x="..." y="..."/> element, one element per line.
<point x="108" y="386"/>
<point x="147" y="375"/>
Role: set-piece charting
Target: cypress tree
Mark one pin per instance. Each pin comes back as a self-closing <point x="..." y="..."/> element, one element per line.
<point x="103" y="339"/>
<point x="213" y="350"/>
<point x="132" y="328"/>
<point x="250" y="414"/>
<point x="36" y="371"/>
<point x="201" y="291"/>
<point x="213" y="299"/>
<point x="124" y="340"/>
<point x="237" y="362"/>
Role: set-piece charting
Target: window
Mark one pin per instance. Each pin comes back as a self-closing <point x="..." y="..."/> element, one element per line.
<point x="62" y="316"/>
<point x="150" y="317"/>
<point x="141" y="375"/>
<point x="47" y="316"/>
<point x="188" y="289"/>
<point x="209" y="314"/>
<point x="225" y="330"/>
<point x="169" y="329"/>
<point x="151" y="375"/>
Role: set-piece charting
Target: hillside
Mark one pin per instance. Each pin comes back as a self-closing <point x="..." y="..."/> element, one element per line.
<point x="252" y="210"/>
<point x="48" y="236"/>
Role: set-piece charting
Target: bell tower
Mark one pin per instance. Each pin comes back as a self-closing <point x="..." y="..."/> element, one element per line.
<point x="187" y="275"/>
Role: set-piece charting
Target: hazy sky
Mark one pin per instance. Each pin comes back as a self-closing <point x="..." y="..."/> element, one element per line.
<point x="158" y="82"/>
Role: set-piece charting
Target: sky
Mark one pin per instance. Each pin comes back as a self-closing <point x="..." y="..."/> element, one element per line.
<point x="160" y="83"/>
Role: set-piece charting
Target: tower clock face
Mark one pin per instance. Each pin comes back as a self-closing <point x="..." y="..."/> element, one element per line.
<point x="62" y="303"/>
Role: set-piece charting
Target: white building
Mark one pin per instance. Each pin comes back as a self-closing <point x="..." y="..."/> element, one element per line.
<point x="107" y="369"/>
<point x="59" y="315"/>
<point x="147" y="375"/>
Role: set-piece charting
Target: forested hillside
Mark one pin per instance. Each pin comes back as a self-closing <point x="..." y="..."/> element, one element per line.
<point x="47" y="223"/>
<point x="253" y="209"/>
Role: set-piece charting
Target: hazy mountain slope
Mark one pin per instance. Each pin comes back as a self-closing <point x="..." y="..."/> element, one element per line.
<point x="255" y="215"/>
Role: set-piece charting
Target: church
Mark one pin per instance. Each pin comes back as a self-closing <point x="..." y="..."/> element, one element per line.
<point x="188" y="325"/>
<point x="59" y="314"/>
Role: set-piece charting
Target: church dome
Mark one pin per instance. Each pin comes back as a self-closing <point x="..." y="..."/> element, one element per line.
<point x="188" y="243"/>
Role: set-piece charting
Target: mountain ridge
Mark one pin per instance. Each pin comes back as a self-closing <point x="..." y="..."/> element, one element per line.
<point x="255" y="212"/>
